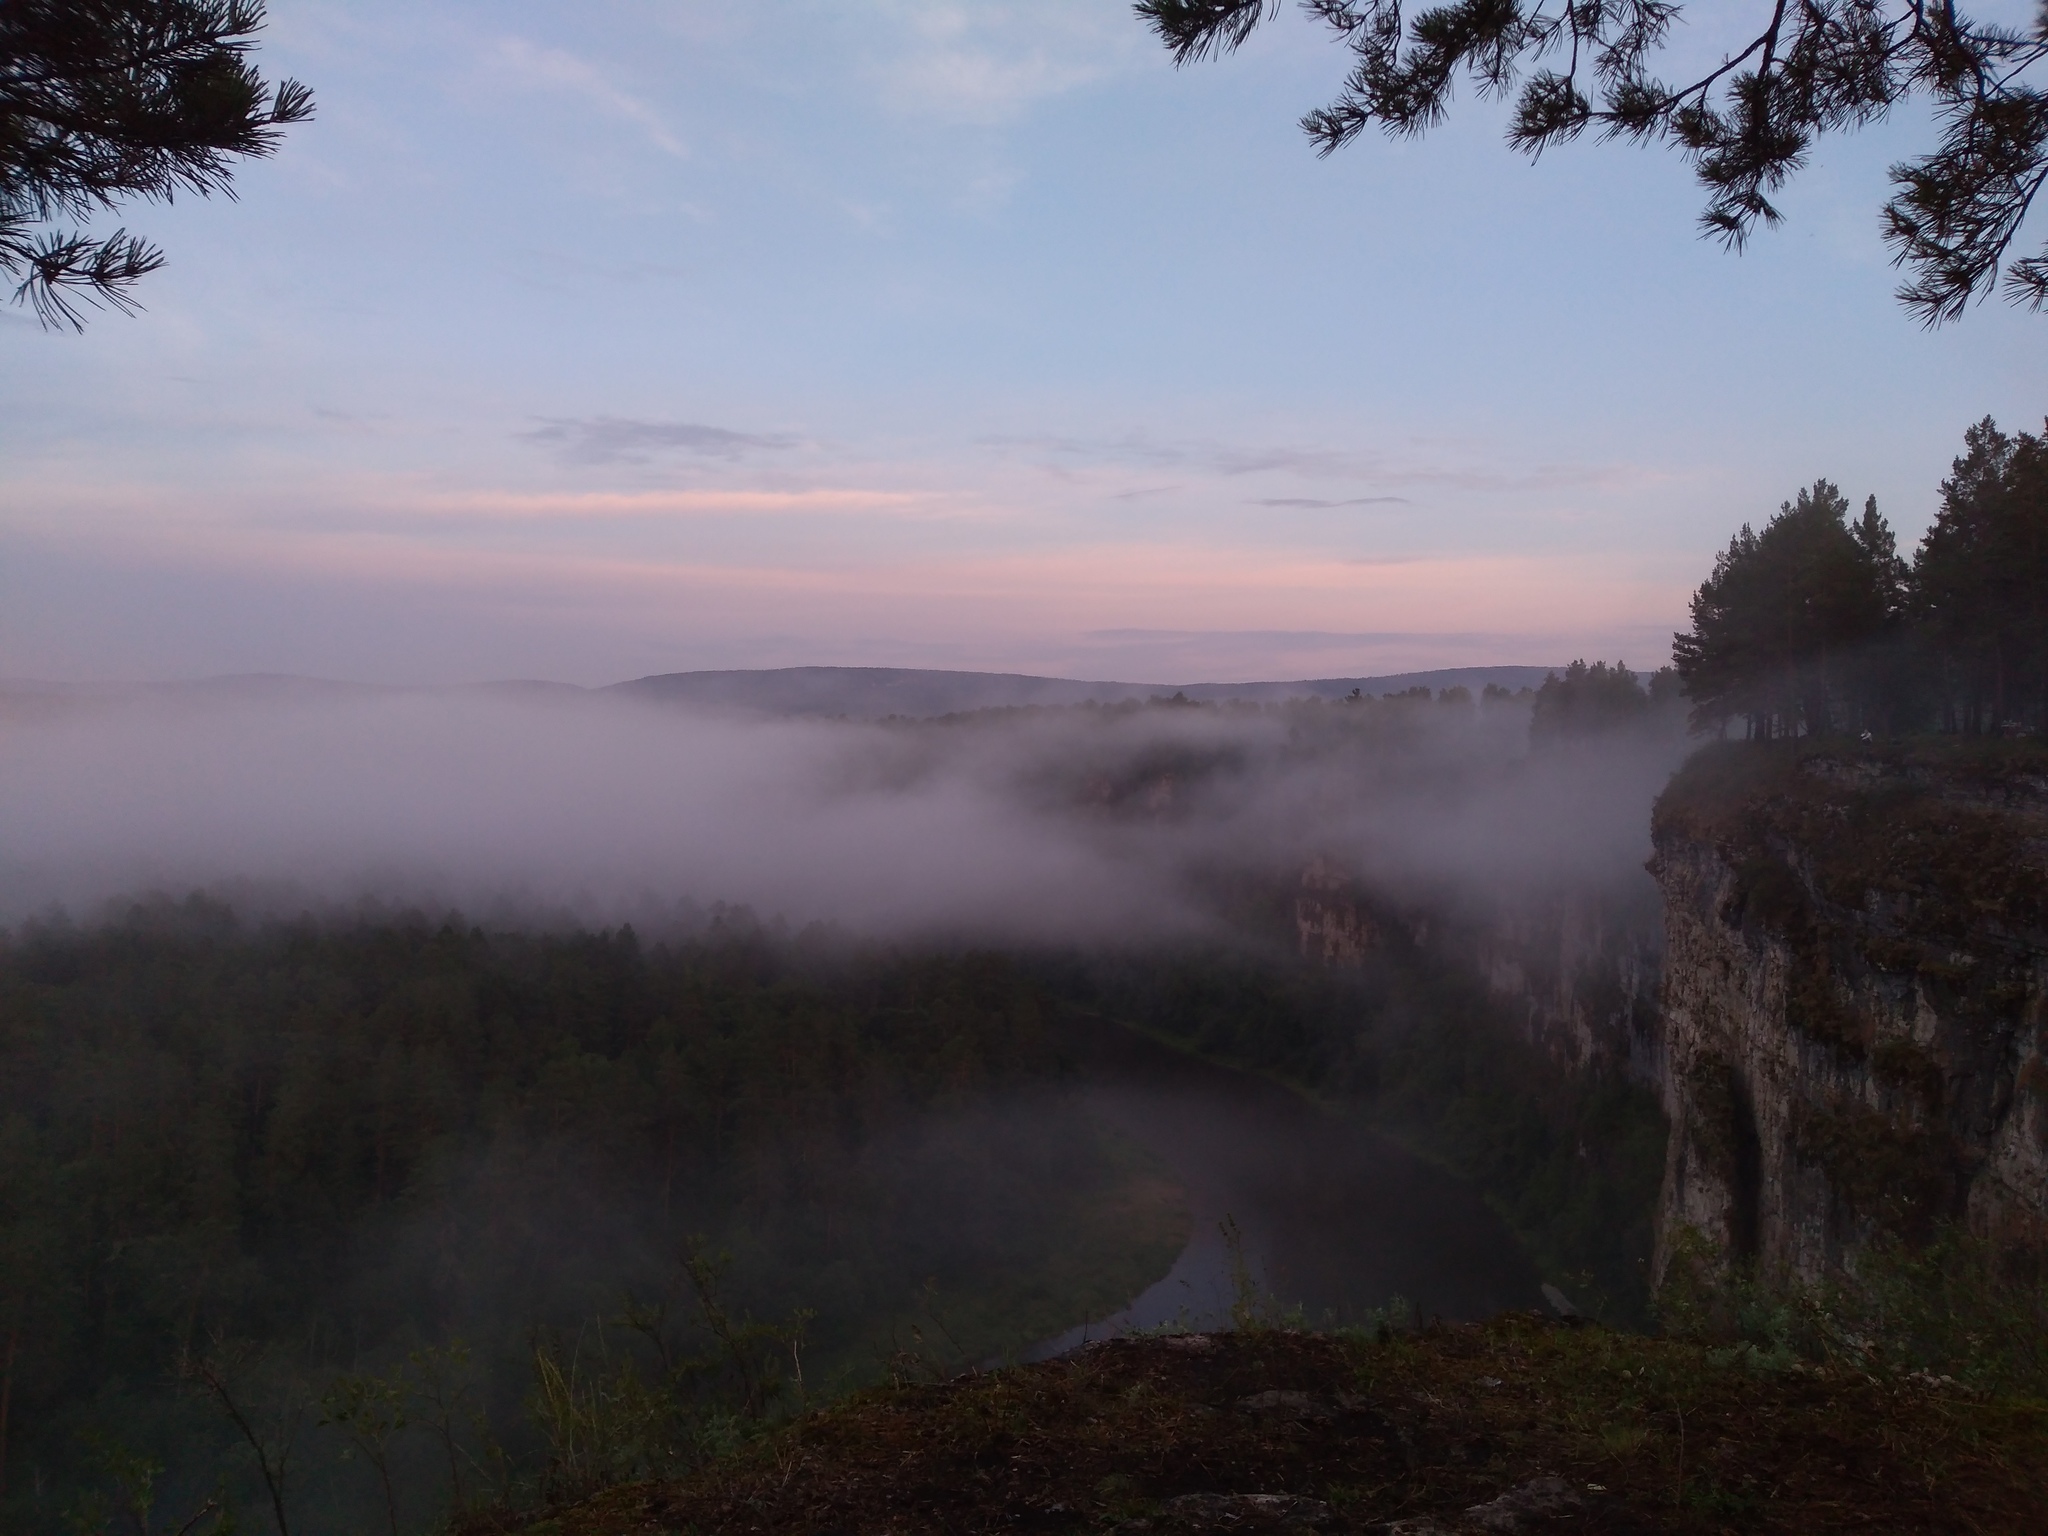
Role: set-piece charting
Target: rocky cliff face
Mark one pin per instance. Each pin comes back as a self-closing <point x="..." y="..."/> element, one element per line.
<point x="1577" y="971"/>
<point x="1856" y="960"/>
<point x="1843" y="1000"/>
<point x="1580" y="971"/>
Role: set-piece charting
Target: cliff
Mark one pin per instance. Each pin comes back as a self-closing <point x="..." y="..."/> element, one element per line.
<point x="1856" y="945"/>
<point x="1577" y="970"/>
<point x="1841" y="1001"/>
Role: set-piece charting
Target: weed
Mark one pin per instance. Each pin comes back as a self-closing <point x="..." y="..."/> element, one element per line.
<point x="1623" y="1440"/>
<point x="1952" y="1307"/>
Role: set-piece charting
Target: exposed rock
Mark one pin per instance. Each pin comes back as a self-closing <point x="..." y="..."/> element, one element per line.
<point x="1331" y="923"/>
<point x="1580" y="969"/>
<point x="1560" y="1303"/>
<point x="1856" y="962"/>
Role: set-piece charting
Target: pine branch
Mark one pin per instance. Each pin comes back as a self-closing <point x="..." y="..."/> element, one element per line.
<point x="1746" y="126"/>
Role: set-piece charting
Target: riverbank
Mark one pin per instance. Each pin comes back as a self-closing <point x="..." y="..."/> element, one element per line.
<point x="1411" y="1050"/>
<point x="1293" y="1201"/>
<point x="1517" y="1424"/>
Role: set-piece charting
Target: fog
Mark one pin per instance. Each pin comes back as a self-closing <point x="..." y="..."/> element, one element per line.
<point x="548" y="806"/>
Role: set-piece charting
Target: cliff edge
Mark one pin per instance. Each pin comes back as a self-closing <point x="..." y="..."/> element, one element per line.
<point x="1856" y="957"/>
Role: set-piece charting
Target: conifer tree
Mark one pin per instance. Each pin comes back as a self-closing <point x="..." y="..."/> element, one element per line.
<point x="1980" y="580"/>
<point x="1784" y="624"/>
<point x="106" y="100"/>
<point x="1587" y="701"/>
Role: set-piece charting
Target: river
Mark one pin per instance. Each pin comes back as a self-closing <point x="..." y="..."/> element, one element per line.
<point x="1334" y="1218"/>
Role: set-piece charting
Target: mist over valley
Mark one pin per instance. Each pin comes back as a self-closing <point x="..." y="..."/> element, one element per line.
<point x="563" y="1004"/>
<point x="525" y="804"/>
<point x="870" y="770"/>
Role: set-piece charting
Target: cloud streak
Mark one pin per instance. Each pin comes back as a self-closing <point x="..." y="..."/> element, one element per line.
<point x="622" y="440"/>
<point x="529" y="506"/>
<point x="1310" y="503"/>
<point x="557" y="69"/>
<point x="985" y="62"/>
<point x="1227" y="461"/>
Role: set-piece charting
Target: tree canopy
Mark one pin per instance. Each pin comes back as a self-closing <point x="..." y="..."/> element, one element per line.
<point x="106" y="100"/>
<point x="1593" y="700"/>
<point x="1980" y="577"/>
<point x="1778" y="624"/>
<point x="1745" y="125"/>
<point x="1815" y="624"/>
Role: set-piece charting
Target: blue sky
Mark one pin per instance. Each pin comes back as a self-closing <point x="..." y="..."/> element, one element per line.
<point x="586" y="342"/>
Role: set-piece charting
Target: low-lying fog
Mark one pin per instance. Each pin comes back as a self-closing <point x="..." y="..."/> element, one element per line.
<point x="1067" y="824"/>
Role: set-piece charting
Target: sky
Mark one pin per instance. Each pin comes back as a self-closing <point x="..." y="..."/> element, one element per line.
<point x="589" y="342"/>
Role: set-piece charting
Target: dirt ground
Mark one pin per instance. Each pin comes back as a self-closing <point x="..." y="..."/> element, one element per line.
<point x="1519" y="1424"/>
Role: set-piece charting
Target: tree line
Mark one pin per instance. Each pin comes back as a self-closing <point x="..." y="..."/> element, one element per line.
<point x="1816" y="625"/>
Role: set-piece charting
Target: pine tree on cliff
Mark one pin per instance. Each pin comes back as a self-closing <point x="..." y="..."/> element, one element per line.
<point x="1783" y="627"/>
<point x="1980" y="581"/>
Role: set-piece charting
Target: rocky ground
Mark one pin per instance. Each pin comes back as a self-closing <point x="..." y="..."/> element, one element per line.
<point x="1521" y="1424"/>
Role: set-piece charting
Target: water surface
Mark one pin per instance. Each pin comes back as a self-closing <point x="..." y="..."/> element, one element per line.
<point x="1334" y="1217"/>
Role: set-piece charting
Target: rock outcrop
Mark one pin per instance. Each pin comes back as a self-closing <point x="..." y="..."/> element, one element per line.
<point x="1843" y="1001"/>
<point x="1856" y="960"/>
<point x="1578" y="971"/>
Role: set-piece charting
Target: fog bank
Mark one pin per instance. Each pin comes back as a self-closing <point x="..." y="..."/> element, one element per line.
<point x="1029" y="825"/>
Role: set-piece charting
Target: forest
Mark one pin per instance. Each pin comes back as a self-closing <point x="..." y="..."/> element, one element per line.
<point x="241" y="1165"/>
<point x="349" y="1225"/>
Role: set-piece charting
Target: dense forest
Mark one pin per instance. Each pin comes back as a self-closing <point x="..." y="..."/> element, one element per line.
<point x="243" y="1165"/>
<point x="302" y="1217"/>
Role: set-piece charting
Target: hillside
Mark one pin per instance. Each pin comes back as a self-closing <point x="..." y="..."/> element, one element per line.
<point x="873" y="692"/>
<point x="1519" y="1424"/>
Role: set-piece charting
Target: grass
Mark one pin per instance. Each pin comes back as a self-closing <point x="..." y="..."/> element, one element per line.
<point x="1643" y="1434"/>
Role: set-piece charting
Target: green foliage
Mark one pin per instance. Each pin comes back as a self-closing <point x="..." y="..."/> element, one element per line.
<point x="1952" y="1306"/>
<point x="1409" y="1431"/>
<point x="104" y="100"/>
<point x="292" y="1166"/>
<point x="121" y="1494"/>
<point x="1779" y="626"/>
<point x="1593" y="700"/>
<point x="1900" y="1176"/>
<point x="1570" y="1159"/>
<point x="371" y="1411"/>
<point x="605" y="1419"/>
<point x="1915" y="826"/>
<point x="1980" y="582"/>
<point x="1745" y="125"/>
<point x="1815" y="625"/>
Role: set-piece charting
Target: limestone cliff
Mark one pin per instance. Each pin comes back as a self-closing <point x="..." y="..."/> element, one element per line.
<point x="1856" y="958"/>
<point x="1577" y="970"/>
<point x="1580" y="970"/>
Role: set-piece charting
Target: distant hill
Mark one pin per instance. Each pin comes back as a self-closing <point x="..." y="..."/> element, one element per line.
<point x="862" y="693"/>
<point x="871" y="692"/>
